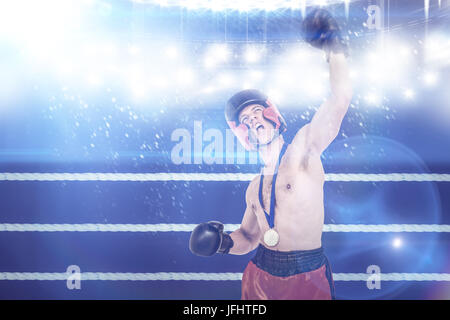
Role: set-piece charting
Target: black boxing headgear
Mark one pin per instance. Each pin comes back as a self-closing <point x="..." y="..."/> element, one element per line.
<point x="244" y="98"/>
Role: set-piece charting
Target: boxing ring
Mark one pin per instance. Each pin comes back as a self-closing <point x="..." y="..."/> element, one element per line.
<point x="93" y="205"/>
<point x="183" y="282"/>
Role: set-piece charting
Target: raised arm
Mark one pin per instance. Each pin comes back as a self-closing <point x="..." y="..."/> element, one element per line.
<point x="321" y="30"/>
<point x="326" y="123"/>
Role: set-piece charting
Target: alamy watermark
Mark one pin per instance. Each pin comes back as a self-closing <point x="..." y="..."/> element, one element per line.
<point x="374" y="279"/>
<point x="73" y="277"/>
<point x="375" y="18"/>
<point x="208" y="146"/>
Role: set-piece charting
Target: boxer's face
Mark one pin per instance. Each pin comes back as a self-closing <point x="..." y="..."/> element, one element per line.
<point x="252" y="117"/>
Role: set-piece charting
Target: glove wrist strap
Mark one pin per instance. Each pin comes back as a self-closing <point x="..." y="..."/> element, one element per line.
<point x="226" y="245"/>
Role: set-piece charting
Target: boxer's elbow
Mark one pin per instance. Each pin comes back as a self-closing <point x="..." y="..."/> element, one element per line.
<point x="252" y="238"/>
<point x="244" y="242"/>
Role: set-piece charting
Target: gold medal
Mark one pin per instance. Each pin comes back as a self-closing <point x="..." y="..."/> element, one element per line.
<point x="271" y="238"/>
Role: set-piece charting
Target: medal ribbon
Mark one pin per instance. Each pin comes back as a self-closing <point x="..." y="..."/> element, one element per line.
<point x="271" y="218"/>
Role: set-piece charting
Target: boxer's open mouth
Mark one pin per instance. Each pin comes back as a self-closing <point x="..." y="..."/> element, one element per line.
<point x="258" y="127"/>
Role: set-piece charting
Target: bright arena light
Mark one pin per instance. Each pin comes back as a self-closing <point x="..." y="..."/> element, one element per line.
<point x="94" y="79"/>
<point x="373" y="98"/>
<point x="172" y="52"/>
<point x="209" y="62"/>
<point x="39" y="20"/>
<point x="430" y="78"/>
<point x="217" y="54"/>
<point x="437" y="50"/>
<point x="285" y="77"/>
<point x="185" y="76"/>
<point x="108" y="50"/>
<point x="314" y="89"/>
<point x="302" y="55"/>
<point x="275" y="95"/>
<point x="252" y="54"/>
<point x="255" y="75"/>
<point x="409" y="93"/>
<point x="65" y="67"/>
<point x="225" y="80"/>
<point x="138" y="90"/>
<point x="404" y="51"/>
<point x="252" y="79"/>
<point x="397" y="243"/>
<point x="294" y="67"/>
<point x="212" y="5"/>
<point x="221" y="52"/>
<point x="247" y="85"/>
<point x="353" y="74"/>
<point x="44" y="30"/>
<point x="208" y="90"/>
<point x="159" y="82"/>
<point x="389" y="64"/>
<point x="133" y="50"/>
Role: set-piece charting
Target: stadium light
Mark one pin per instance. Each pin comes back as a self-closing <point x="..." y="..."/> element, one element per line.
<point x="430" y="78"/>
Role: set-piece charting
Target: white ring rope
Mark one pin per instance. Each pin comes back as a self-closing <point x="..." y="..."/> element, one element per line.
<point x="162" y="227"/>
<point x="392" y="276"/>
<point x="195" y="276"/>
<point x="344" y="177"/>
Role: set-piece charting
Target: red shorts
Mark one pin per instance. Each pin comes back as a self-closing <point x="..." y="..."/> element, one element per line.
<point x="294" y="275"/>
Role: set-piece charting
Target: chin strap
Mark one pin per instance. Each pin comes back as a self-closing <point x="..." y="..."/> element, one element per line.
<point x="275" y="136"/>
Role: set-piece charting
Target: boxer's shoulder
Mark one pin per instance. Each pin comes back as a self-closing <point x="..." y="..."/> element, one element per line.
<point x="252" y="186"/>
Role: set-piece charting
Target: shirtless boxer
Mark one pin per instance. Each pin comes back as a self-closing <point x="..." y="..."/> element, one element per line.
<point x="285" y="211"/>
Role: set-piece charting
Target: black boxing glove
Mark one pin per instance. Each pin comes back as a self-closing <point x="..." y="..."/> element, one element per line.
<point x="208" y="238"/>
<point x="322" y="31"/>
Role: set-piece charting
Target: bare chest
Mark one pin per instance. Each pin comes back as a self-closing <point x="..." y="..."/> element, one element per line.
<point x="290" y="189"/>
<point x="298" y="210"/>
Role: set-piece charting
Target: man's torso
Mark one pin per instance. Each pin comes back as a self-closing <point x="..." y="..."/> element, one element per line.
<point x="299" y="209"/>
